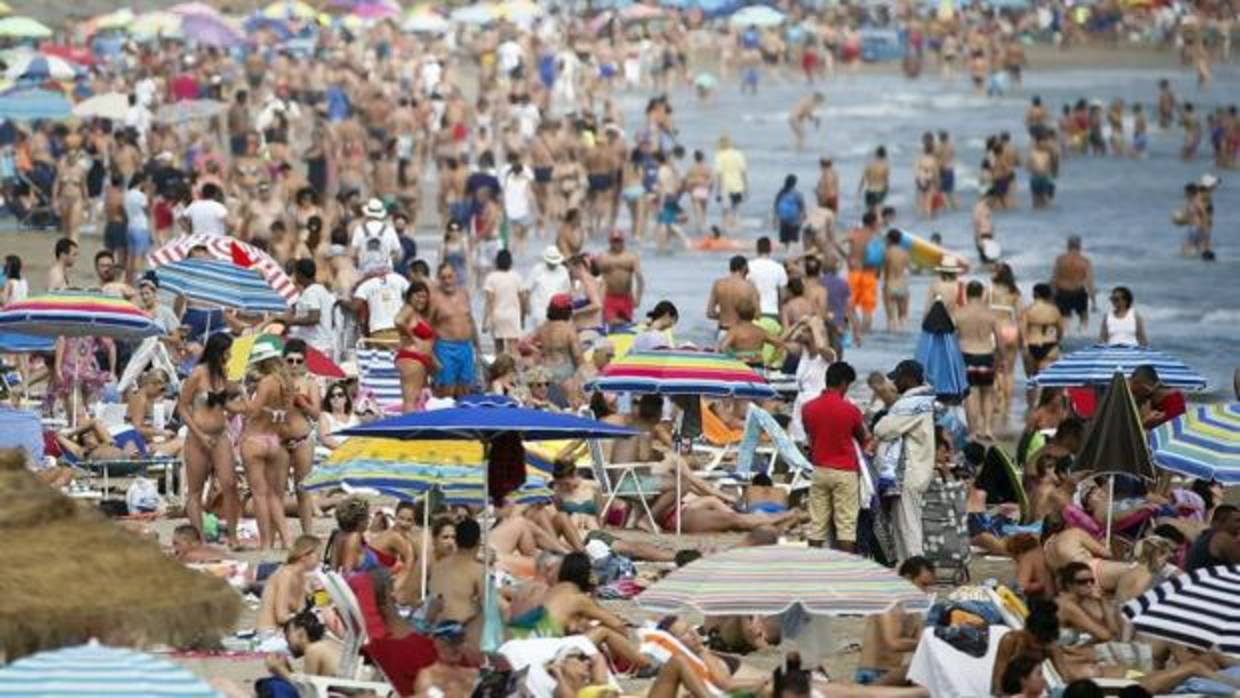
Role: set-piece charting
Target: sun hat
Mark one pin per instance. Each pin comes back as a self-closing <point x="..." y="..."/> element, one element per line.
<point x="375" y="209"/>
<point x="949" y="265"/>
<point x="552" y="255"/>
<point x="265" y="348"/>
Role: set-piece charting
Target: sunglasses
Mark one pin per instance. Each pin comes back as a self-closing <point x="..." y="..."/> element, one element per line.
<point x="1085" y="581"/>
<point x="294" y="360"/>
<point x="539" y="385"/>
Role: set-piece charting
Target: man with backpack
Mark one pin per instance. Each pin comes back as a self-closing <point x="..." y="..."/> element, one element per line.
<point x="375" y="245"/>
<point x="789" y="212"/>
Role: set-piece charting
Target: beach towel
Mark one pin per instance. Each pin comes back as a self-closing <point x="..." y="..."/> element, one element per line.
<point x="536" y="653"/>
<point x="379" y="379"/>
<point x="662" y="646"/>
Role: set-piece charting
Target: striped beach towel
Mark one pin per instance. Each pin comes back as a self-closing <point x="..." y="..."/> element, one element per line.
<point x="661" y="646"/>
<point x="378" y="378"/>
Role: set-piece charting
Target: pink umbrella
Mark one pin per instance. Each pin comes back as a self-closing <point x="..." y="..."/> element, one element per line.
<point x="210" y="31"/>
<point x="375" y="10"/>
<point x="194" y="8"/>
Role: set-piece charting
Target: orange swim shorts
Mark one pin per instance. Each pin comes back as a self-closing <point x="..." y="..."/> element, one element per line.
<point x="863" y="289"/>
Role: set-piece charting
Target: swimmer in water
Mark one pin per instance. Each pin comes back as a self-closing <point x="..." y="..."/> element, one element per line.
<point x="805" y="110"/>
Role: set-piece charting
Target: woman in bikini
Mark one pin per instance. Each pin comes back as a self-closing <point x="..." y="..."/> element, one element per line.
<point x="70" y="190"/>
<point x="415" y="361"/>
<point x="1006" y="304"/>
<point x="262" y="446"/>
<point x="1041" y="328"/>
<point x="204" y="403"/>
<point x="299" y="427"/>
<point x="697" y="183"/>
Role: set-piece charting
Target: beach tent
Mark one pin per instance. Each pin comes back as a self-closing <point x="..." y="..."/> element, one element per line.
<point x="101" y="581"/>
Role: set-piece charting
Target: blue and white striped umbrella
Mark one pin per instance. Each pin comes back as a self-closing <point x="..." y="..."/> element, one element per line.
<point x="1197" y="609"/>
<point x="1095" y="365"/>
<point x="1204" y="443"/>
<point x="38" y="67"/>
<point x="99" y="671"/>
<point x="222" y="284"/>
<point x="28" y="104"/>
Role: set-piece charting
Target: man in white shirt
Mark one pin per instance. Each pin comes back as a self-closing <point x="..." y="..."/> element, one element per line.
<point x="546" y="280"/>
<point x="383" y="295"/>
<point x="508" y="58"/>
<point x="517" y="185"/>
<point x="138" y="117"/>
<point x="768" y="276"/>
<point x="375" y="244"/>
<point x="207" y="215"/>
<point x="311" y="319"/>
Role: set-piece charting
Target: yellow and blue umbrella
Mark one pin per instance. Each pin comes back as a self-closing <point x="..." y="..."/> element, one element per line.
<point x="1204" y="443"/>
<point x="461" y="485"/>
<point x="290" y="9"/>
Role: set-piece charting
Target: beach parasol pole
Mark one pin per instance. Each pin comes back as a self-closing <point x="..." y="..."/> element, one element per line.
<point x="1110" y="507"/>
<point x="426" y="540"/>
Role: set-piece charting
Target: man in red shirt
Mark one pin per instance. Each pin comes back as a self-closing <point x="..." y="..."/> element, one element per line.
<point x="1157" y="402"/>
<point x="834" y="427"/>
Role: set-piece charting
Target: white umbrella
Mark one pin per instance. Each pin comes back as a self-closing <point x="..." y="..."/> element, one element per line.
<point x="757" y="16"/>
<point x="425" y="22"/>
<point x="110" y="105"/>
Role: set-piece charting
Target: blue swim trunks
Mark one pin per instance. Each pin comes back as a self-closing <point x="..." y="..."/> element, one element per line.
<point x="456" y="362"/>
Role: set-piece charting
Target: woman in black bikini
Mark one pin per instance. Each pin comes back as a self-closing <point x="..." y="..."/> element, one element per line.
<point x="1041" y="328"/>
<point x="299" y="425"/>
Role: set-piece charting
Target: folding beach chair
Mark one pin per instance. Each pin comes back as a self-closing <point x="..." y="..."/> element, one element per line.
<point x="137" y="466"/>
<point x="355" y="637"/>
<point x="629" y="485"/>
<point x="378" y="377"/>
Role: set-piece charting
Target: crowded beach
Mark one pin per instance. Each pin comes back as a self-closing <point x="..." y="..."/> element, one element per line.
<point x="693" y="348"/>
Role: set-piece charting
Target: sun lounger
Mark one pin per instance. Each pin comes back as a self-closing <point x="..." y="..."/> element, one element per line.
<point x="628" y="484"/>
<point x="138" y="465"/>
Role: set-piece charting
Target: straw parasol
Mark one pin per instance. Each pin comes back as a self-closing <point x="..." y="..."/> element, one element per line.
<point x="70" y="575"/>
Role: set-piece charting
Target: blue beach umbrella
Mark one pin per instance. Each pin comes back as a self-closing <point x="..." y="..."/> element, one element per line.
<point x="1204" y="443"/>
<point x="1094" y="366"/>
<point x="221" y="284"/>
<point x="28" y="104"/>
<point x="938" y="350"/>
<point x="20" y="343"/>
<point x="98" y="670"/>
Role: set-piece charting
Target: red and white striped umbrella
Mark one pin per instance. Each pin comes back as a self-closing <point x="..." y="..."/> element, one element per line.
<point x="230" y="250"/>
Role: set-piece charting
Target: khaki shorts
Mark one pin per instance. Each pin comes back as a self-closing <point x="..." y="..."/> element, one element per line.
<point x="833" y="494"/>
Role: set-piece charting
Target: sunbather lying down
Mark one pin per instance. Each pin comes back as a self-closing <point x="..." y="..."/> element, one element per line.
<point x="91" y="441"/>
<point x="704" y="509"/>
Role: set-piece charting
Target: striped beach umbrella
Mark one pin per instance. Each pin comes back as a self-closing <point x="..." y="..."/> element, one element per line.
<point x="405" y="481"/>
<point x="222" y="284"/>
<point x="38" y="67"/>
<point x="1096" y="364"/>
<point x="1196" y="608"/>
<point x="682" y="373"/>
<point x="230" y="250"/>
<point x="97" y="670"/>
<point x="30" y="103"/>
<point x="78" y="314"/>
<point x="1204" y="443"/>
<point x="770" y="579"/>
<point x="539" y="456"/>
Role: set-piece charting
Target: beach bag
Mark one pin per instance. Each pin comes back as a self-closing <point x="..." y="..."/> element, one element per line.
<point x="875" y="252"/>
<point x="142" y="497"/>
<point x="944" y="521"/>
<point x="788" y="208"/>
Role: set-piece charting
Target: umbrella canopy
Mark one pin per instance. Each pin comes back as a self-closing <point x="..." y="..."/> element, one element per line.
<point x="146" y="597"/>
<point x="78" y="314"/>
<point x="28" y="104"/>
<point x="23" y="28"/>
<point x="425" y="22"/>
<point x="1204" y="443"/>
<point x="1116" y="442"/>
<point x="938" y="350"/>
<point x="229" y="250"/>
<point x="156" y="24"/>
<point x="110" y="105"/>
<point x="770" y="579"/>
<point x="538" y="456"/>
<point x="640" y="12"/>
<point x="480" y="13"/>
<point x="1095" y="365"/>
<point x="222" y="284"/>
<point x="19" y="343"/>
<point x="209" y="30"/>
<point x="290" y="10"/>
<point x="458" y="484"/>
<point x="757" y="16"/>
<point x="517" y="11"/>
<point x="1197" y="609"/>
<point x="375" y="9"/>
<point x="38" y="67"/>
<point x="117" y="19"/>
<point x="194" y="8"/>
<point x="317" y="363"/>
<point x="682" y="373"/>
<point x="484" y="422"/>
<point x="189" y="110"/>
<point x="93" y="669"/>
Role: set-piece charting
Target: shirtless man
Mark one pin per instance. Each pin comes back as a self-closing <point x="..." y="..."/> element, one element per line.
<point x="622" y="280"/>
<point x="1166" y="105"/>
<point x="115" y="227"/>
<point x="984" y="224"/>
<point x="828" y="189"/>
<point x="1036" y="117"/>
<point x="804" y="110"/>
<point x="895" y="282"/>
<point x="1042" y="168"/>
<point x="261" y="211"/>
<point x="284" y="592"/>
<point x="975" y="324"/>
<point x="456" y="335"/>
<point x="890" y="637"/>
<point x="926" y="177"/>
<point x="58" y="275"/>
<point x="601" y="167"/>
<point x="727" y="293"/>
<point x="1073" y="282"/>
<point x="875" y="180"/>
<point x="456" y="582"/>
<point x="946" y="154"/>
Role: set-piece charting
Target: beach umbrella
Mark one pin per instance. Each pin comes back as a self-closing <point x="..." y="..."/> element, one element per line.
<point x="375" y="10"/>
<point x="117" y="19"/>
<point x="1094" y="366"/>
<point x="78" y="314"/>
<point x="517" y="11"/>
<point x="93" y="669"/>
<point x="770" y="579"/>
<point x="31" y="103"/>
<point x="425" y="22"/>
<point x="1116" y="442"/>
<point x="21" y="343"/>
<point x="110" y="105"/>
<point x="80" y="55"/>
<point x="222" y="284"/>
<point x="460" y="485"/>
<point x="290" y="9"/>
<point x="229" y="249"/>
<point x="209" y="30"/>
<point x="539" y="455"/>
<point x="938" y="350"/>
<point x="23" y="28"/>
<point x="479" y="14"/>
<point x="188" y="110"/>
<point x="194" y="8"/>
<point x="38" y="67"/>
<point x="682" y="373"/>
<point x="139" y="593"/>
<point x="258" y="23"/>
<point x="757" y="16"/>
<point x="1197" y="609"/>
<point x="1204" y="443"/>
<point x="156" y="24"/>
<point x="1000" y="479"/>
<point x="317" y="363"/>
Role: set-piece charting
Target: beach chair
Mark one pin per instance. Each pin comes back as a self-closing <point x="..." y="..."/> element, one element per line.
<point x="355" y="637"/>
<point x="662" y="646"/>
<point x="535" y="654"/>
<point x="759" y="422"/>
<point x="629" y="484"/>
<point x="139" y="465"/>
<point x="378" y="376"/>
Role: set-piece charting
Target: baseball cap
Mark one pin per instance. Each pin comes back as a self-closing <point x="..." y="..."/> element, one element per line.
<point x="908" y="368"/>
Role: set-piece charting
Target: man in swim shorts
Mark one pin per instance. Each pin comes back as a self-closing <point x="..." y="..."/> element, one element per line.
<point x="1073" y="283"/>
<point x="456" y="343"/>
<point x="866" y="253"/>
<point x="875" y="180"/>
<point x="622" y="281"/>
<point x="976" y="326"/>
<point x="895" y="282"/>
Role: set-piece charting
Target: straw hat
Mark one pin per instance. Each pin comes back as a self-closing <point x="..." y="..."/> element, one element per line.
<point x="949" y="265"/>
<point x="264" y="348"/>
<point x="552" y="256"/>
<point x="375" y="209"/>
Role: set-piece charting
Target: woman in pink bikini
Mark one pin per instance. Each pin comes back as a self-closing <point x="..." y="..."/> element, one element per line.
<point x="414" y="360"/>
<point x="262" y="447"/>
